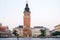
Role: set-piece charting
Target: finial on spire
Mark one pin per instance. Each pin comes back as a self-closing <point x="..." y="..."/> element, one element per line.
<point x="26" y="2"/>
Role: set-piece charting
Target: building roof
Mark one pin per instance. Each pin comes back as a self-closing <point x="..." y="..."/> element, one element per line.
<point x="3" y="28"/>
<point x="57" y="25"/>
<point x="38" y="27"/>
<point x="20" y="26"/>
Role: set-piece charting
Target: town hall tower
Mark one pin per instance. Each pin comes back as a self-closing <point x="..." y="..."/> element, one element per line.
<point x="26" y="21"/>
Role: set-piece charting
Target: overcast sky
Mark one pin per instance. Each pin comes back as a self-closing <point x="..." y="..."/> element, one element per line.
<point x="43" y="12"/>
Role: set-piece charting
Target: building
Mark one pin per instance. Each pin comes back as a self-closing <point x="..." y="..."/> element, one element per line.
<point x="25" y="31"/>
<point x="48" y="33"/>
<point x="19" y="30"/>
<point x="3" y="28"/>
<point x="4" y="31"/>
<point x="36" y="31"/>
<point x="57" y="27"/>
<point x="26" y="21"/>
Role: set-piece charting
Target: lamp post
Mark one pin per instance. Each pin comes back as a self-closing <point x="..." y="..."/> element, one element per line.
<point x="17" y="36"/>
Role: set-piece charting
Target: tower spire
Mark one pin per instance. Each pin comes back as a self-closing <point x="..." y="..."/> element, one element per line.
<point x="27" y="8"/>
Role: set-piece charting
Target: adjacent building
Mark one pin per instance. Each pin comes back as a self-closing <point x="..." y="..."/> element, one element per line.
<point x="57" y="27"/>
<point x="36" y="31"/>
<point x="19" y="30"/>
<point x="4" y="31"/>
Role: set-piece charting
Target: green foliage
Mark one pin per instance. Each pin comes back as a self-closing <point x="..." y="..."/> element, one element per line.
<point x="42" y="33"/>
<point x="15" y="33"/>
<point x="56" y="33"/>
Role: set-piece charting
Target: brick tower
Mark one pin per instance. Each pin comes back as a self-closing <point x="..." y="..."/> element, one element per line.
<point x="26" y="18"/>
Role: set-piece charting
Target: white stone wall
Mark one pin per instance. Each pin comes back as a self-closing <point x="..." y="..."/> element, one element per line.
<point x="36" y="32"/>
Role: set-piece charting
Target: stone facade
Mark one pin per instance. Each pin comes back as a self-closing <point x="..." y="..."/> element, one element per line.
<point x="36" y="31"/>
<point x="57" y="28"/>
<point x="19" y="30"/>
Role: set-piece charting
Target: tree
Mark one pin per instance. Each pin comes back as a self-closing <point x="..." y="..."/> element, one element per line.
<point x="15" y="33"/>
<point x="56" y="33"/>
<point x="42" y="33"/>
